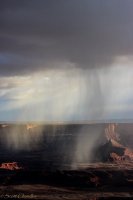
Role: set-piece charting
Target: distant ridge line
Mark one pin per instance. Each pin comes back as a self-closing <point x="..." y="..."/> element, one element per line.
<point x="68" y="122"/>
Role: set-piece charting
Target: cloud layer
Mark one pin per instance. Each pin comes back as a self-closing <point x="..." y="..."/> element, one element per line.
<point x="66" y="60"/>
<point x="35" y="34"/>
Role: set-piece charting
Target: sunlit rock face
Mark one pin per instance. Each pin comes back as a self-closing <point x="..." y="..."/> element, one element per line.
<point x="115" y="148"/>
<point x="10" y="166"/>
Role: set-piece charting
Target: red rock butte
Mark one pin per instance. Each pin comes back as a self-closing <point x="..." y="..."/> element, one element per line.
<point x="10" y="166"/>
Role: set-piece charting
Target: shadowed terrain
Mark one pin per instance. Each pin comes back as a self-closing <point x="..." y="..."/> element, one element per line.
<point x="75" y="161"/>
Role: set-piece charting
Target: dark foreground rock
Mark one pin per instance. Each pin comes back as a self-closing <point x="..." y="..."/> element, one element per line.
<point x="92" y="181"/>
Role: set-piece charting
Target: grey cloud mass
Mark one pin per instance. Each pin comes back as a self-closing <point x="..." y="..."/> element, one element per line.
<point x="36" y="33"/>
<point x="66" y="59"/>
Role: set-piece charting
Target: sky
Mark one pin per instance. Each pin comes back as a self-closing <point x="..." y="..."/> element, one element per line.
<point x="66" y="60"/>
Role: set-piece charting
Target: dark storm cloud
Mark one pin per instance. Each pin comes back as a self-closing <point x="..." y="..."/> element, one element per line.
<point x="88" y="33"/>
